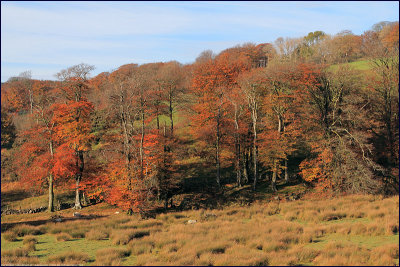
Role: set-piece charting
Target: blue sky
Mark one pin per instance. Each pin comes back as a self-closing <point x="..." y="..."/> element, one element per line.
<point x="45" y="37"/>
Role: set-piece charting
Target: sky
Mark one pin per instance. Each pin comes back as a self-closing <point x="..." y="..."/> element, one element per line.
<point x="46" y="37"/>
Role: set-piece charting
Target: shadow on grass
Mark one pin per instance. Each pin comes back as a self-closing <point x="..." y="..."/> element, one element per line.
<point x="12" y="196"/>
<point x="8" y="226"/>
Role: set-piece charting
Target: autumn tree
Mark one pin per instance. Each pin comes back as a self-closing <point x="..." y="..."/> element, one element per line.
<point x="341" y="150"/>
<point x="252" y="87"/>
<point x="8" y="133"/>
<point x="74" y="116"/>
<point x="280" y="123"/>
<point x="212" y="81"/>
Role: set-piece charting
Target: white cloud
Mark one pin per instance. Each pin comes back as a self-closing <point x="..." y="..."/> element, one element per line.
<point x="110" y="33"/>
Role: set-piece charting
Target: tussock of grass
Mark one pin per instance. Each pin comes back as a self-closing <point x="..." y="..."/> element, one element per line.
<point x="138" y="248"/>
<point x="111" y="256"/>
<point x="96" y="234"/>
<point x="63" y="237"/>
<point x="29" y="239"/>
<point x="123" y="237"/>
<point x="77" y="234"/>
<point x="10" y="236"/>
<point x="18" y="252"/>
<point x="338" y="253"/>
<point x="68" y="258"/>
<point x="25" y="229"/>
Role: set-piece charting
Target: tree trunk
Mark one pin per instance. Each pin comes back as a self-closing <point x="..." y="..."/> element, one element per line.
<point x="141" y="148"/>
<point x="274" y="174"/>
<point x="170" y="113"/>
<point x="286" y="172"/>
<point x="237" y="150"/>
<point x="217" y="150"/>
<point x="245" y="163"/>
<point x="77" y="197"/>
<point x="255" y="149"/>
<point x="78" y="178"/>
<point x="31" y="100"/>
<point x="51" y="194"/>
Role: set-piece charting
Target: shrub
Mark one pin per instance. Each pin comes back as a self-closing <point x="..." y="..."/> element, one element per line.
<point x="70" y="258"/>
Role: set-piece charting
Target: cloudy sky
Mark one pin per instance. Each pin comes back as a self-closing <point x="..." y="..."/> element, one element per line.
<point x="45" y="37"/>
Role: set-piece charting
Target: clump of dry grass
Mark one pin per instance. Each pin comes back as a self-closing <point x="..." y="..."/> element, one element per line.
<point x="123" y="237"/>
<point x="30" y="243"/>
<point x="10" y="236"/>
<point x="111" y="256"/>
<point x="18" y="252"/>
<point x="63" y="237"/>
<point x="390" y="251"/>
<point x="217" y="247"/>
<point x="69" y="258"/>
<point x="29" y="239"/>
<point x="25" y="229"/>
<point x="78" y="233"/>
<point x="330" y="216"/>
<point x="30" y="246"/>
<point x="338" y="253"/>
<point x="18" y="256"/>
<point x="96" y="234"/>
<point x="241" y="255"/>
<point x="304" y="254"/>
<point x="143" y="247"/>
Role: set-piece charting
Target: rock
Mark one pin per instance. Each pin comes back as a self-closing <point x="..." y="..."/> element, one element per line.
<point x="77" y="214"/>
<point x="191" y="221"/>
<point x="117" y="212"/>
<point x="58" y="220"/>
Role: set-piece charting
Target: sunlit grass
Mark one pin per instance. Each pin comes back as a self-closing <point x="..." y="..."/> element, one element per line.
<point x="352" y="230"/>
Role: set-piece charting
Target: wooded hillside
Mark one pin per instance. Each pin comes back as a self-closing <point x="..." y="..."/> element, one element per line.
<point x="320" y="110"/>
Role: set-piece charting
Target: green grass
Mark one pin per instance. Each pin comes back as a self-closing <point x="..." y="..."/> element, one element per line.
<point x="362" y="65"/>
<point x="361" y="240"/>
<point x="47" y="246"/>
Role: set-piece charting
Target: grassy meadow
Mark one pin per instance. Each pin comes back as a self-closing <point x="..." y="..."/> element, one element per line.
<point x="351" y="230"/>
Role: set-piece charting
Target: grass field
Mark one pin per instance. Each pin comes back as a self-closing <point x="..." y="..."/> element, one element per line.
<point x="362" y="65"/>
<point x="352" y="230"/>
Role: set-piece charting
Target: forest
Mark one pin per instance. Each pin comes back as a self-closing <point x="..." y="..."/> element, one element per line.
<point x="321" y="110"/>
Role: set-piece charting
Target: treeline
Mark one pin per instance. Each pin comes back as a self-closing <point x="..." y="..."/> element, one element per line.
<point x="287" y="110"/>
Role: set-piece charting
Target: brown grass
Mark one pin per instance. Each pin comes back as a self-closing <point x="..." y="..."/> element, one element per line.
<point x="25" y="229"/>
<point x="69" y="258"/>
<point x="300" y="233"/>
<point x="96" y="234"/>
<point x="123" y="237"/>
<point x="111" y="256"/>
<point x="63" y="237"/>
<point x="10" y="236"/>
